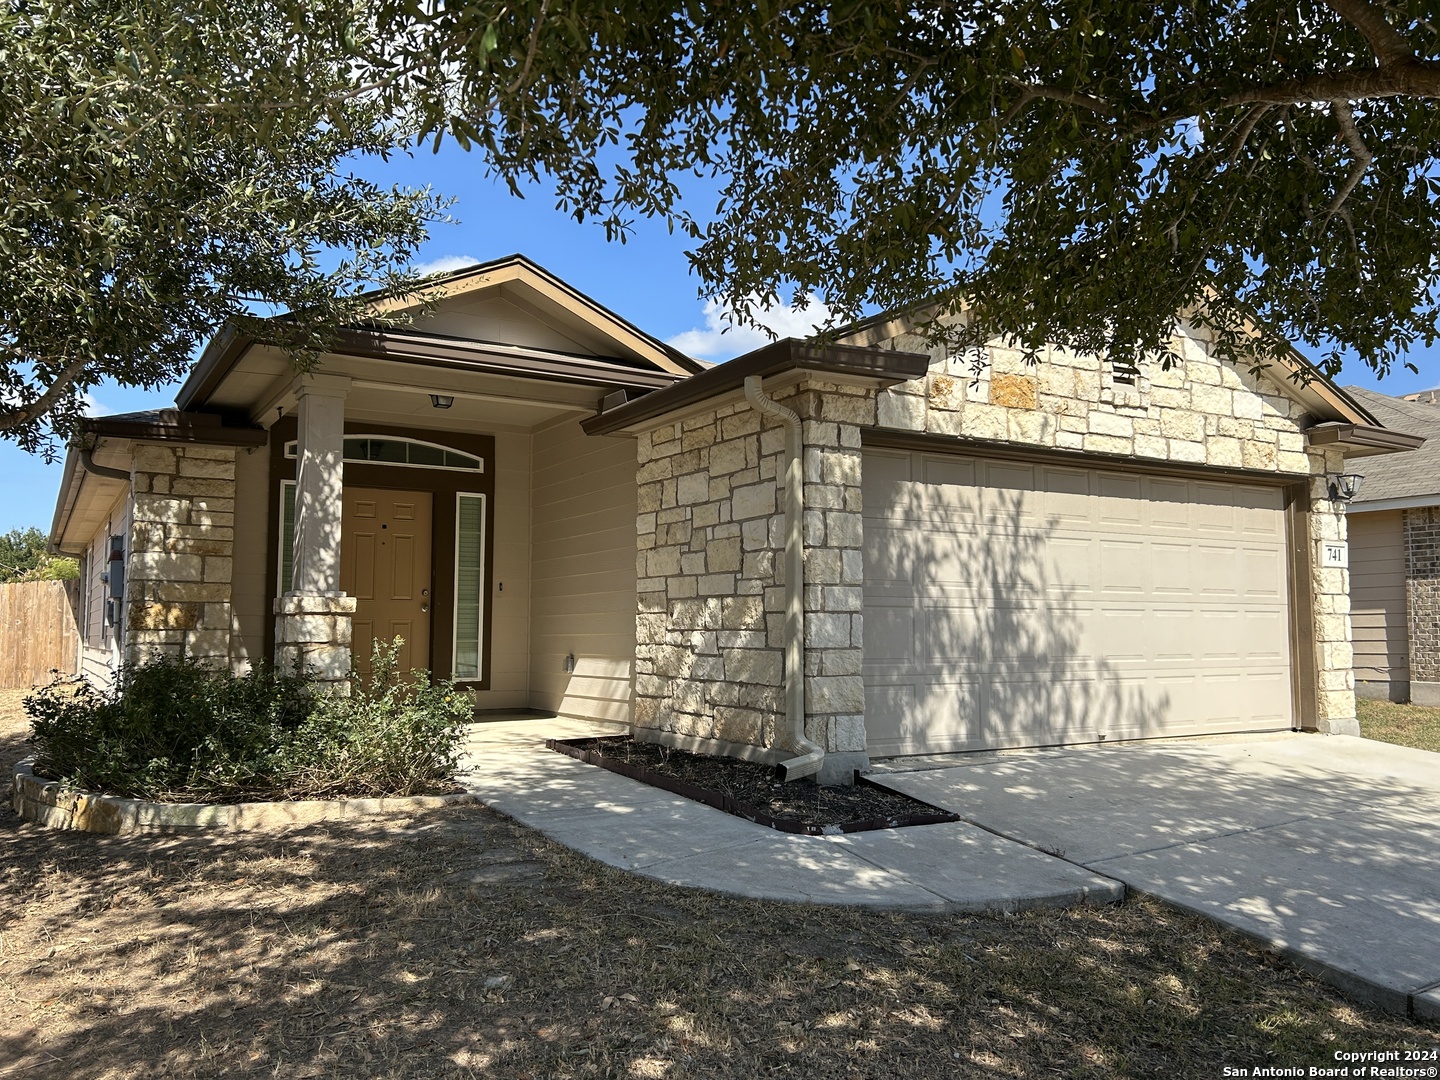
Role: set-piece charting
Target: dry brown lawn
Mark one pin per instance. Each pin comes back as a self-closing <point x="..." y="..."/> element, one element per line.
<point x="1408" y="725"/>
<point x="457" y="944"/>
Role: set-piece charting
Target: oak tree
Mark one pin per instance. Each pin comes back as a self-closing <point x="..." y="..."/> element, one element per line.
<point x="1071" y="171"/>
<point x="167" y="166"/>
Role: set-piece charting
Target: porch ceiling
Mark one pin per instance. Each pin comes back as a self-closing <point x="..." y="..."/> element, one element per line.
<point x="260" y="386"/>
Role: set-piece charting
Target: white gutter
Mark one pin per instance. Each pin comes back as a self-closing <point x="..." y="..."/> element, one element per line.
<point x="808" y="754"/>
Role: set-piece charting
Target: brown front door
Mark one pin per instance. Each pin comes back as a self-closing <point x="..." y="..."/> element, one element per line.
<point x="385" y="565"/>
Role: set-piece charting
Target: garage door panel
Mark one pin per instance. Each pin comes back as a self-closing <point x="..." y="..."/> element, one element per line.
<point x="1126" y="631"/>
<point x="1122" y="567"/>
<point x="1121" y="501"/>
<point x="1263" y="572"/>
<point x="889" y="633"/>
<point x="1169" y="504"/>
<point x="1070" y="605"/>
<point x="1172" y="569"/>
<point x="1264" y="636"/>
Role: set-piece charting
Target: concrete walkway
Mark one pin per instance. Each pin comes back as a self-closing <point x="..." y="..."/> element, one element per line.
<point x="953" y="867"/>
<point x="1325" y="848"/>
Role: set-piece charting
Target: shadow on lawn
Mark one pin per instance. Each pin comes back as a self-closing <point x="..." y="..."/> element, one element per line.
<point x="460" y="944"/>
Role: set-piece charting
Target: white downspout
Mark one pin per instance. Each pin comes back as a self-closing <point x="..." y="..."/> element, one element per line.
<point x="808" y="754"/>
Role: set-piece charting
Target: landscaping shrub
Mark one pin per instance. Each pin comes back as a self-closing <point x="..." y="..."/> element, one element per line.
<point x="174" y="729"/>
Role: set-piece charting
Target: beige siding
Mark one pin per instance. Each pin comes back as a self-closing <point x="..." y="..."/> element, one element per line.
<point x="1377" y="604"/>
<point x="249" y="604"/>
<point x="510" y="581"/>
<point x="583" y="562"/>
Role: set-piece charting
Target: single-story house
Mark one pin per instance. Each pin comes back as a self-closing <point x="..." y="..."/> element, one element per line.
<point x="562" y="513"/>
<point x="1394" y="527"/>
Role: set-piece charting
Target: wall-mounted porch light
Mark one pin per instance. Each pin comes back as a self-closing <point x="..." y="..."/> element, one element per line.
<point x="570" y="664"/>
<point x="1345" y="487"/>
<point x="442" y="401"/>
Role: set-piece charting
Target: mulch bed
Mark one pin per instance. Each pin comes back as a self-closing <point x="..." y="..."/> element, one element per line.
<point x="753" y="791"/>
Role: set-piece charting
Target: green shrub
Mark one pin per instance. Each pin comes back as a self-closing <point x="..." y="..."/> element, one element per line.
<point x="173" y="729"/>
<point x="391" y="735"/>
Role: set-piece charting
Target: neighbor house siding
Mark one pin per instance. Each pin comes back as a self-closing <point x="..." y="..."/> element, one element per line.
<point x="250" y="604"/>
<point x="1377" y="605"/>
<point x="583" y="565"/>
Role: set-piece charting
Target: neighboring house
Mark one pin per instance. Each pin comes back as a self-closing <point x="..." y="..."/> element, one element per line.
<point x="562" y="513"/>
<point x="1394" y="525"/>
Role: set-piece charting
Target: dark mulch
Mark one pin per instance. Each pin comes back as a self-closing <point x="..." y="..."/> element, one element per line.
<point x="756" y="786"/>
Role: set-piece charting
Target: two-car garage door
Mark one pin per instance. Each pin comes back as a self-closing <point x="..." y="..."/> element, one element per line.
<point x="1014" y="604"/>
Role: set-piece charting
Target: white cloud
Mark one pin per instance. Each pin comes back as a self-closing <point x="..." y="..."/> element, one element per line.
<point x="722" y="337"/>
<point x="90" y="407"/>
<point x="444" y="264"/>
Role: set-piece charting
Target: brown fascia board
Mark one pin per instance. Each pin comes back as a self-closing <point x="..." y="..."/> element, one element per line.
<point x="885" y="366"/>
<point x="432" y="350"/>
<point x="70" y="481"/>
<point x="1362" y="440"/>
<point x="173" y="425"/>
<point x="221" y="354"/>
<point x="523" y="260"/>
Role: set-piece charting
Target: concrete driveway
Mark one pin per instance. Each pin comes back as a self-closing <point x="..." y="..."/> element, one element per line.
<point x="1326" y="848"/>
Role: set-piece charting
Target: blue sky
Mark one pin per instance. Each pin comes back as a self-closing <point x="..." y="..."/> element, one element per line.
<point x="646" y="280"/>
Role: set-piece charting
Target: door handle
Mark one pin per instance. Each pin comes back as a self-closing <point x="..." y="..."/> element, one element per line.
<point x="424" y="607"/>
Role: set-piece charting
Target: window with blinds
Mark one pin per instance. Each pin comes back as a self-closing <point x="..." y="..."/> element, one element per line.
<point x="287" y="537"/>
<point x="469" y="583"/>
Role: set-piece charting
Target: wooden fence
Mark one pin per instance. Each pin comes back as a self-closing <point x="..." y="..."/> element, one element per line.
<point x="38" y="631"/>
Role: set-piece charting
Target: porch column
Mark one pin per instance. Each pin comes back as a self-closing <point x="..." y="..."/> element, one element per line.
<point x="313" y="617"/>
<point x="320" y="454"/>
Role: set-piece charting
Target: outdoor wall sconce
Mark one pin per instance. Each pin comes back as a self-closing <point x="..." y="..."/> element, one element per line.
<point x="1345" y="487"/>
<point x="442" y="401"/>
<point x="570" y="664"/>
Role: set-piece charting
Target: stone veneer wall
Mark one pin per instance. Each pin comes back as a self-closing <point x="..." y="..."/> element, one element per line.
<point x="1199" y="412"/>
<point x="709" y="629"/>
<point x="313" y="636"/>
<point x="1422" y="600"/>
<point x="710" y="625"/>
<point x="1330" y="593"/>
<point x="182" y="535"/>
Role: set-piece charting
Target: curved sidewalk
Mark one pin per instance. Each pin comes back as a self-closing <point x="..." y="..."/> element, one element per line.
<point x="626" y="824"/>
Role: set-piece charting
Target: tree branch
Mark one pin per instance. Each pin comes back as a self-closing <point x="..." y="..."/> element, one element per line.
<point x="18" y="417"/>
<point x="1345" y="120"/>
<point x="1089" y="102"/>
<point x="1387" y="43"/>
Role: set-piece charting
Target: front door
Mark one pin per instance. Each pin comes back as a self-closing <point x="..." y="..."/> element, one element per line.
<point x="385" y="565"/>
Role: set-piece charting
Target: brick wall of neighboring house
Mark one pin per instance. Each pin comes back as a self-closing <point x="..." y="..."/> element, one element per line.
<point x="182" y="533"/>
<point x="1422" y="587"/>
<point x="710" y="627"/>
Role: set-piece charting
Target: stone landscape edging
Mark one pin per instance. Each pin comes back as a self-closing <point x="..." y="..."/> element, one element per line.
<point x="59" y="806"/>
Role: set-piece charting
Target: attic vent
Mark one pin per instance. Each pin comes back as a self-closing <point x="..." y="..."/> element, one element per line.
<point x="1124" y="374"/>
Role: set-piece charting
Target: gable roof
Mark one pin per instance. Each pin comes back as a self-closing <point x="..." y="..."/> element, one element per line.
<point x="1411" y="479"/>
<point x="619" y="344"/>
<point x="1301" y="381"/>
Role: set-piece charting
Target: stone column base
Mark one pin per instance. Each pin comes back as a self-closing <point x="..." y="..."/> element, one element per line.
<point x="1338" y="725"/>
<point x="312" y="635"/>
